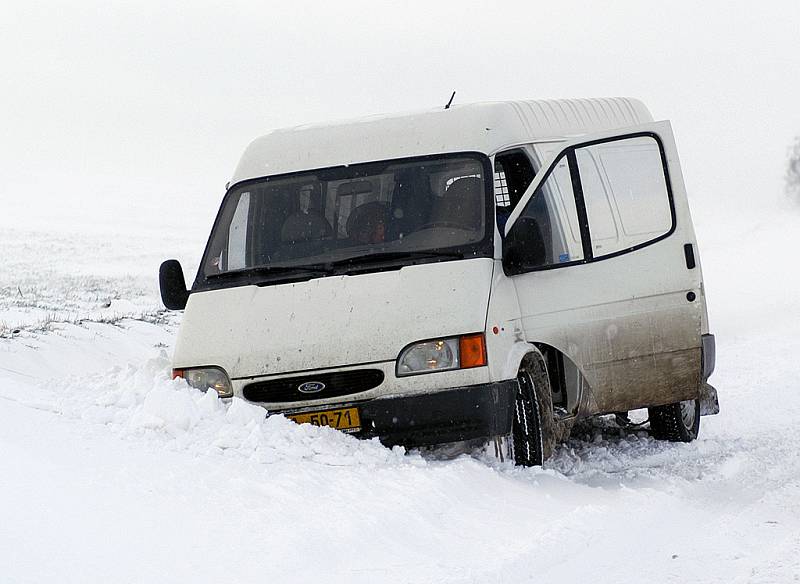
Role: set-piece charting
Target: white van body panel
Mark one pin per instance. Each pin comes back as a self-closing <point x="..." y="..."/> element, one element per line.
<point x="478" y="127"/>
<point x="253" y="331"/>
<point x="625" y="321"/>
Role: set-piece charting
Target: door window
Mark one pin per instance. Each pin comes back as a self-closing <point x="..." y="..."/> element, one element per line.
<point x="547" y="233"/>
<point x="625" y="191"/>
<point x="598" y="200"/>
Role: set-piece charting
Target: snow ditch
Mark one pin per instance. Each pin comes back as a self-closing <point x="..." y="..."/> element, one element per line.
<point x="142" y="401"/>
<point x="139" y="401"/>
<point x="117" y="378"/>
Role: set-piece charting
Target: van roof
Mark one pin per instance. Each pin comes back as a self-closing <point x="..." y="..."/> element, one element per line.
<point x="481" y="127"/>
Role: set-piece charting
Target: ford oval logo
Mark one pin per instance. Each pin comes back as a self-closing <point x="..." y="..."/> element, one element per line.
<point x="311" y="387"/>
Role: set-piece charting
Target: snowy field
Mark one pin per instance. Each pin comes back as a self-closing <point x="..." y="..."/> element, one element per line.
<point x="110" y="471"/>
<point x="122" y="122"/>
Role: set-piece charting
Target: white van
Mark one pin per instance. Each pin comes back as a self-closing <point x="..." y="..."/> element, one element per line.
<point x="485" y="271"/>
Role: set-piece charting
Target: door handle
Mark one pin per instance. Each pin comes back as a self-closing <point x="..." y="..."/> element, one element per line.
<point x="688" y="253"/>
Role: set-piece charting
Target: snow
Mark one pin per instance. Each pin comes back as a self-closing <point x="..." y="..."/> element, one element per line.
<point x="110" y="470"/>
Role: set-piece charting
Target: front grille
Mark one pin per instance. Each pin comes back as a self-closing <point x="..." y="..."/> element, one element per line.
<point x="335" y="384"/>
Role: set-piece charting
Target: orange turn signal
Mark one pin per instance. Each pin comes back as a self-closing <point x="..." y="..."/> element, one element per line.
<point x="473" y="351"/>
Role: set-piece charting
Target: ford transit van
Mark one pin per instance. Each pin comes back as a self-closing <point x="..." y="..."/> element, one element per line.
<point x="493" y="271"/>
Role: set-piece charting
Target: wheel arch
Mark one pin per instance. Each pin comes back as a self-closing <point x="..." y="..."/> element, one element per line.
<point x="569" y="385"/>
<point x="521" y="353"/>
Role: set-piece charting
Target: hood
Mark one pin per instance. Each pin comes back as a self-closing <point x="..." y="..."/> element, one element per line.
<point x="336" y="321"/>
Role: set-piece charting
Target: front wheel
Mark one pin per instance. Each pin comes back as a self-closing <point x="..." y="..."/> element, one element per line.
<point x="533" y="430"/>
<point x="678" y="422"/>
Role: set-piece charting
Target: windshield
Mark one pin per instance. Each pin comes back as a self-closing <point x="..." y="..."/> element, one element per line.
<point x="387" y="211"/>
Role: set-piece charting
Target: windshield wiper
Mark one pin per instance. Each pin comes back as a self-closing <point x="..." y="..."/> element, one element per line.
<point x="388" y="256"/>
<point x="330" y="268"/>
<point x="300" y="270"/>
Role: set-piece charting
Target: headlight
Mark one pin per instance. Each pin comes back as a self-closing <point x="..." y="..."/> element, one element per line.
<point x="442" y="355"/>
<point x="205" y="378"/>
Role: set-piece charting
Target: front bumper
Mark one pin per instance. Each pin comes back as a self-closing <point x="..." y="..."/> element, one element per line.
<point x="452" y="415"/>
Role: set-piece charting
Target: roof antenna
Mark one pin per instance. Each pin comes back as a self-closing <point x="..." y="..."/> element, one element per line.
<point x="451" y="101"/>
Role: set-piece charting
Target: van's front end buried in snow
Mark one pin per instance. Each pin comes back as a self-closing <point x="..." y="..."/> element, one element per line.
<point x="453" y="415"/>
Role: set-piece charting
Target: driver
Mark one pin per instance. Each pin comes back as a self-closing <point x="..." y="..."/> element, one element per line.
<point x="461" y="205"/>
<point x="367" y="223"/>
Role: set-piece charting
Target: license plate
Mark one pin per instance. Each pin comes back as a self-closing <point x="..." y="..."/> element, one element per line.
<point x="345" y="419"/>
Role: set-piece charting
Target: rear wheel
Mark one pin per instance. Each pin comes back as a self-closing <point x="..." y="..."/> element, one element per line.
<point x="678" y="422"/>
<point x="533" y="429"/>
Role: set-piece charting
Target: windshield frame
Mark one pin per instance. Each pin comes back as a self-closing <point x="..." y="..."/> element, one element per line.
<point x="482" y="248"/>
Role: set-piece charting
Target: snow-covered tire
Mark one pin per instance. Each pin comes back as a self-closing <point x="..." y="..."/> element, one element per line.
<point x="533" y="430"/>
<point x="678" y="422"/>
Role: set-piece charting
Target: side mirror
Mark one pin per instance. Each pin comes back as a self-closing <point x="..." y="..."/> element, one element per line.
<point x="523" y="247"/>
<point x="173" y="286"/>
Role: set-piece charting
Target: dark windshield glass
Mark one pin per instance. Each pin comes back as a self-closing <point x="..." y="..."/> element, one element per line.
<point x="387" y="210"/>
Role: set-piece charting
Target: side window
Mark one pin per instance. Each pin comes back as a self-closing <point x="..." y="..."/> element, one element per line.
<point x="625" y="192"/>
<point x="548" y="231"/>
<point x="597" y="200"/>
<point x="513" y="174"/>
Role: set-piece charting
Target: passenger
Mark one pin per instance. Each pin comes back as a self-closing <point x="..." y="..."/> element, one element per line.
<point x="367" y="223"/>
<point x="308" y="226"/>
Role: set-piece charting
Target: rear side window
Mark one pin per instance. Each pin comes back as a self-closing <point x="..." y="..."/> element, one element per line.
<point x="625" y="192"/>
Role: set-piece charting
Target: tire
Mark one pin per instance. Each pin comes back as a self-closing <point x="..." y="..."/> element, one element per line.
<point x="533" y="429"/>
<point x="678" y="422"/>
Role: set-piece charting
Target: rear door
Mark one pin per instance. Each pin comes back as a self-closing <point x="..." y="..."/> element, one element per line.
<point x="600" y="250"/>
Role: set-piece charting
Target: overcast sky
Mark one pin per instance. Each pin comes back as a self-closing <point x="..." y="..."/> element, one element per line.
<point x="116" y="104"/>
